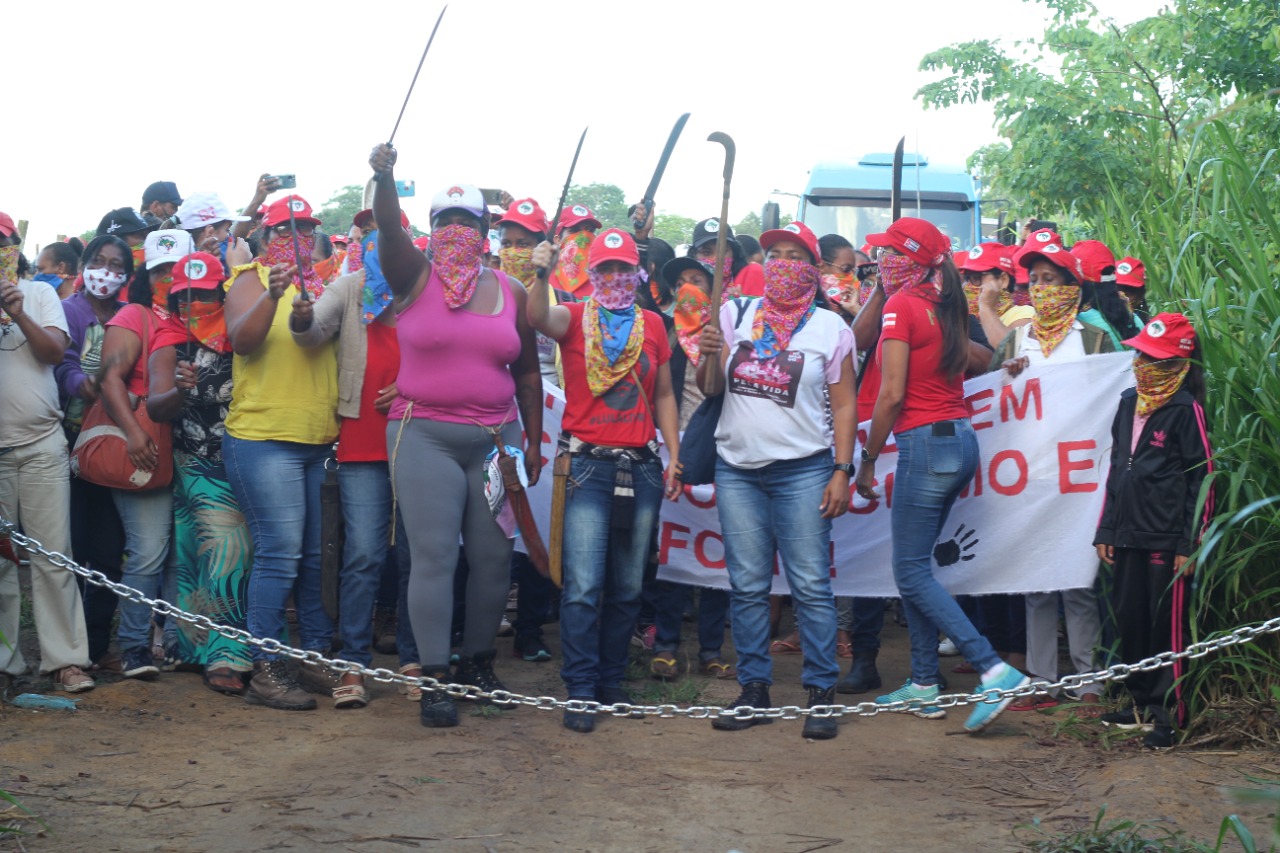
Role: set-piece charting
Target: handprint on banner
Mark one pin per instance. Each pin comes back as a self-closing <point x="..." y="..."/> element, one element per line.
<point x="956" y="549"/>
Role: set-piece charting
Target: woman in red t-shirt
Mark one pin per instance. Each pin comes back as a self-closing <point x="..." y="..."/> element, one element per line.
<point x="924" y="345"/>
<point x="617" y="386"/>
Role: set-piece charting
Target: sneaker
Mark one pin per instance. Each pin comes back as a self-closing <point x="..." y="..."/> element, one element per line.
<point x="947" y="649"/>
<point x="921" y="699"/>
<point x="385" y="624"/>
<point x="170" y="660"/>
<point x="138" y="663"/>
<point x="820" y="728"/>
<point x="531" y="649"/>
<point x="985" y="712"/>
<point x="437" y="709"/>
<point x="505" y="628"/>
<point x="644" y="637"/>
<point x="580" y="721"/>
<point x="72" y="679"/>
<point x="753" y="695"/>
<point x="318" y="678"/>
<point x="274" y="686"/>
<point x="478" y="672"/>
<point x="1160" y="737"/>
<point x="1126" y="720"/>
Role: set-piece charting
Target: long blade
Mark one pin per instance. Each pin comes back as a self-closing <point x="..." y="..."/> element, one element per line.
<point x="564" y="194"/>
<point x="407" y="94"/>
<point x="895" y="193"/>
<point x="666" y="156"/>
<point x="717" y="281"/>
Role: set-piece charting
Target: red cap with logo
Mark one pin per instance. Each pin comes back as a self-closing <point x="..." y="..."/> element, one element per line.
<point x="1166" y="336"/>
<point x="989" y="256"/>
<point x="959" y="259"/>
<point x="1098" y="261"/>
<point x="528" y="215"/>
<point x="278" y="211"/>
<point x="7" y="226"/>
<point x="198" y="271"/>
<point x="796" y="232"/>
<point x="365" y="216"/>
<point x="1046" y="245"/>
<point x="576" y="214"/>
<point x="918" y="239"/>
<point x="1131" y="273"/>
<point x="339" y="238"/>
<point x="613" y="245"/>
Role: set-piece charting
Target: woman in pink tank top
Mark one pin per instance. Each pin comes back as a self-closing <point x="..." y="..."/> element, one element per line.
<point x="468" y="365"/>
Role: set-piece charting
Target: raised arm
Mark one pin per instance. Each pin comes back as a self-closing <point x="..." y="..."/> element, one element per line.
<point x="267" y="184"/>
<point x="402" y="263"/>
<point x="866" y="326"/>
<point x="551" y="320"/>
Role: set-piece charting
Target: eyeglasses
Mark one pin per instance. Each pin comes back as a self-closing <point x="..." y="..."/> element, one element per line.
<point x="844" y="269"/>
<point x="305" y="229"/>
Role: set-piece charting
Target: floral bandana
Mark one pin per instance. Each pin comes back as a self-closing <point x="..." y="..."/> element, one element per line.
<point x="375" y="295"/>
<point x="788" y="304"/>
<point x="455" y="258"/>
<point x="160" y="287"/>
<point x="355" y="256"/>
<point x="615" y="291"/>
<point x="280" y="251"/>
<point x="709" y="264"/>
<point x="1158" y="381"/>
<point x="1056" y="308"/>
<point x="139" y="253"/>
<point x="518" y="263"/>
<point x="972" y="290"/>
<point x="613" y="343"/>
<point x="207" y="322"/>
<point x="692" y="313"/>
<point x="571" y="272"/>
<point x="899" y="271"/>
<point x="8" y="275"/>
<point x="1020" y="296"/>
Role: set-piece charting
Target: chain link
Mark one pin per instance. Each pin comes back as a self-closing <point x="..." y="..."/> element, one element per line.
<point x="1117" y="672"/>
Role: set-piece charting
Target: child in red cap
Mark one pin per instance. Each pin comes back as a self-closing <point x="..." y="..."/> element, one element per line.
<point x="1160" y="455"/>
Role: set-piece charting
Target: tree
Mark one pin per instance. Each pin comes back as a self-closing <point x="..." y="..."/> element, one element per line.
<point x="607" y="202"/>
<point x="750" y="225"/>
<point x="341" y="209"/>
<point x="673" y="228"/>
<point x="1092" y="106"/>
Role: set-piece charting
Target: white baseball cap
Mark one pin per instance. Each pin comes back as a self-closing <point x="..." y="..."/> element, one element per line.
<point x="166" y="247"/>
<point x="459" y="197"/>
<point x="201" y="209"/>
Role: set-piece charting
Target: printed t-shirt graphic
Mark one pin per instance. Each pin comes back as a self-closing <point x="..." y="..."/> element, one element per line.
<point x="775" y="379"/>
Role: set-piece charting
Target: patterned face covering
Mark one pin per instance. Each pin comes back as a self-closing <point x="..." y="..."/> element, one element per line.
<point x="709" y="264"/>
<point x="613" y="342"/>
<point x="1056" y="308"/>
<point x="615" y="291"/>
<point x="518" y="263"/>
<point x="9" y="264"/>
<point x="789" y="288"/>
<point x="1158" y="381"/>
<point x="899" y="271"/>
<point x="139" y="256"/>
<point x="375" y="294"/>
<point x="355" y="256"/>
<point x="1020" y="296"/>
<point x="280" y="251"/>
<point x="571" y="272"/>
<point x="160" y="287"/>
<point x="102" y="283"/>
<point x="455" y="258"/>
<point x="208" y="323"/>
<point x="692" y="313"/>
<point x="972" y="292"/>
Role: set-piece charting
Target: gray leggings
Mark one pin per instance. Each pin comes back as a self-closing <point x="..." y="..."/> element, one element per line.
<point x="437" y="469"/>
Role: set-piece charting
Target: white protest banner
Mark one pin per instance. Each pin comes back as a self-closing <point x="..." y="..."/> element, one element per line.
<point x="1025" y="524"/>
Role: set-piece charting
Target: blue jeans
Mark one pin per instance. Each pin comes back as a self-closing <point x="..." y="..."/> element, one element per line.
<point x="147" y="518"/>
<point x="535" y="600"/>
<point x="775" y="509"/>
<point x="669" y="603"/>
<point x="366" y="517"/>
<point x="932" y="471"/>
<point x="277" y="485"/>
<point x="603" y="570"/>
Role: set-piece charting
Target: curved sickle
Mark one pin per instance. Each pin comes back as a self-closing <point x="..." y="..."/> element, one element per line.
<point x="730" y="152"/>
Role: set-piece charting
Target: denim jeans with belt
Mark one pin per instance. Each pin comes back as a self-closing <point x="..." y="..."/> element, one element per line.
<point x="776" y="509"/>
<point x="147" y="518"/>
<point x="603" y="571"/>
<point x="366" y="518"/>
<point x="277" y="485"/>
<point x="935" y="462"/>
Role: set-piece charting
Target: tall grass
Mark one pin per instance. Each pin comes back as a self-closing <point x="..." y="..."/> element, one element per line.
<point x="1210" y="239"/>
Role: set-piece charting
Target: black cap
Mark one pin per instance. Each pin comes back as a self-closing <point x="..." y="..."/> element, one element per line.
<point x="708" y="230"/>
<point x="671" y="270"/>
<point x="166" y="191"/>
<point x="123" y="220"/>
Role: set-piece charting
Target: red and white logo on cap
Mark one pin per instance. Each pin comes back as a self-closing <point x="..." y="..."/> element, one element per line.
<point x="793" y="228"/>
<point x="579" y="210"/>
<point x="195" y="269"/>
<point x="297" y="205"/>
<point x="1156" y="329"/>
<point x="613" y="240"/>
<point x="524" y="208"/>
<point x="1051" y="249"/>
<point x="1044" y="236"/>
<point x="1124" y="269"/>
<point x="454" y="193"/>
<point x="712" y="226"/>
<point x="911" y="245"/>
<point x="975" y="252"/>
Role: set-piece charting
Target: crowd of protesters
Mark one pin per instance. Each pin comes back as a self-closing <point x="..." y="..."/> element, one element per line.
<point x="243" y="363"/>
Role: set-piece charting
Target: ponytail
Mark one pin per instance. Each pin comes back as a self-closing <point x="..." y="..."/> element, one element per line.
<point x="953" y="318"/>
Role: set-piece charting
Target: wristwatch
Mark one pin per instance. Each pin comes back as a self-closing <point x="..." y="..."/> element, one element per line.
<point x="846" y="467"/>
<point x="867" y="457"/>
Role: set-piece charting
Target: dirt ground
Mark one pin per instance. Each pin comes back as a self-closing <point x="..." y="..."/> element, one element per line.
<point x="168" y="765"/>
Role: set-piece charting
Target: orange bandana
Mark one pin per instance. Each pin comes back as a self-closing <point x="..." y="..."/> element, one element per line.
<point x="1056" y="307"/>
<point x="571" y="272"/>
<point x="692" y="313"/>
<point x="1158" y="381"/>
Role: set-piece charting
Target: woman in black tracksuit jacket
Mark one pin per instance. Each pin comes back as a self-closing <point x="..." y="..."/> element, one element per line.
<point x="1160" y="456"/>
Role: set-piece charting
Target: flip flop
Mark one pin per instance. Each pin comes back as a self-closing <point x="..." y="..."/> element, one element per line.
<point x="782" y="647"/>
<point x="1035" y="702"/>
<point x="844" y="650"/>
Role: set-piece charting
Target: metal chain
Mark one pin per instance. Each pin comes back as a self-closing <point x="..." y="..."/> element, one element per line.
<point x="1118" y="672"/>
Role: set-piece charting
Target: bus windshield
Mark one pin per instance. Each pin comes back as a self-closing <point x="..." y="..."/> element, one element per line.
<point x="854" y="218"/>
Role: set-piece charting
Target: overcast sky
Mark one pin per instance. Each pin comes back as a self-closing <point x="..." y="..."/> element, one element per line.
<point x="106" y="98"/>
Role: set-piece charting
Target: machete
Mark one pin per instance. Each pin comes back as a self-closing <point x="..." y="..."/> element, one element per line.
<point x="647" y="201"/>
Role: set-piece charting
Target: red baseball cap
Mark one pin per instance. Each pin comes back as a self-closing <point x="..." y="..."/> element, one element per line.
<point x="1021" y="275"/>
<point x="421" y="243"/>
<point x="1098" y="261"/>
<point x="1131" y="273"/>
<point x="613" y="245"/>
<point x="1166" y="336"/>
<point x="339" y="238"/>
<point x="918" y="239"/>
<point x="278" y="211"/>
<point x="367" y="214"/>
<point x="528" y="215"/>
<point x="988" y="256"/>
<point x="7" y="224"/>
<point x="1047" y="245"/>
<point x="959" y="259"/>
<point x="199" y="271"/>
<point x="576" y="214"/>
<point x="796" y="232"/>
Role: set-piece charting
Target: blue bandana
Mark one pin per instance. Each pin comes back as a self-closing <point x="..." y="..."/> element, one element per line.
<point x="376" y="295"/>
<point x="615" y="331"/>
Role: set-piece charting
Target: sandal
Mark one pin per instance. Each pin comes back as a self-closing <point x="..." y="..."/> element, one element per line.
<point x="350" y="695"/>
<point x="844" y="650"/>
<point x="784" y="647"/>
<point x="1088" y="707"/>
<point x="717" y="668"/>
<point x="412" y="692"/>
<point x="664" y="665"/>
<point x="224" y="680"/>
<point x="964" y="668"/>
<point x="1034" y="702"/>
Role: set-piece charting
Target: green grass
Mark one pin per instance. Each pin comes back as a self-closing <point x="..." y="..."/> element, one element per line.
<point x="1128" y="836"/>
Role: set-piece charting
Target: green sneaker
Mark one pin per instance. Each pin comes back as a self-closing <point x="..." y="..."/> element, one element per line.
<point x="921" y="699"/>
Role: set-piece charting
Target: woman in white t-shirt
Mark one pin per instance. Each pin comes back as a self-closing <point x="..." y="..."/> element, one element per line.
<point x="777" y="489"/>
